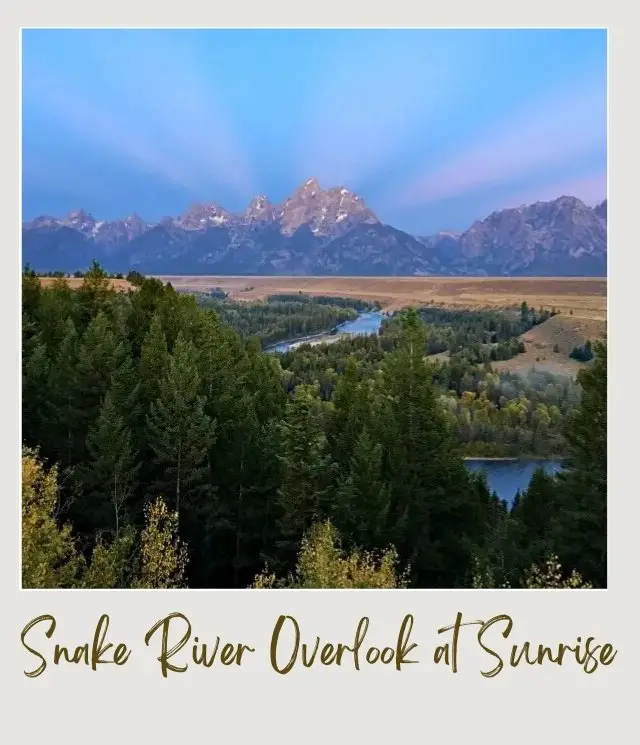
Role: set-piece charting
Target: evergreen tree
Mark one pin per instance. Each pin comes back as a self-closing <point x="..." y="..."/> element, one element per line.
<point x="35" y="377"/>
<point x="495" y="560"/>
<point x="93" y="292"/>
<point x="580" y="525"/>
<point x="350" y="408"/>
<point x="534" y="514"/>
<point x="180" y="433"/>
<point x="305" y="467"/>
<point x="99" y="355"/>
<point x="154" y="359"/>
<point x="57" y="305"/>
<point x="362" y="500"/>
<point x="61" y="435"/>
<point x="126" y="390"/>
<point x="252" y="478"/>
<point x="31" y="293"/>
<point x="109" y="476"/>
<point x="436" y="513"/>
<point x="142" y="305"/>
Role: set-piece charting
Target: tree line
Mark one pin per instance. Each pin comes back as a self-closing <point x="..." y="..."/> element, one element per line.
<point x="493" y="414"/>
<point x="278" y="320"/>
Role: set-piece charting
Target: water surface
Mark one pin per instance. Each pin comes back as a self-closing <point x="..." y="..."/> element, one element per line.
<point x="365" y="323"/>
<point x="506" y="477"/>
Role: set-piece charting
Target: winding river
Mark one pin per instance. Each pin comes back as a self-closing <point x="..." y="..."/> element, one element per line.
<point x="365" y="323"/>
<point x="505" y="476"/>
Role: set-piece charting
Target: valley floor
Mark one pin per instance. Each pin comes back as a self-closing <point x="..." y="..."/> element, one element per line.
<point x="582" y="302"/>
<point x="586" y="297"/>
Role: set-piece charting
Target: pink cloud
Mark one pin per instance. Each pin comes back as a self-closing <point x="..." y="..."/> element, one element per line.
<point x="161" y="113"/>
<point x="545" y="134"/>
<point x="590" y="189"/>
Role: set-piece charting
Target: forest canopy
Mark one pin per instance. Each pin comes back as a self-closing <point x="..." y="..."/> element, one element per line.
<point x="164" y="447"/>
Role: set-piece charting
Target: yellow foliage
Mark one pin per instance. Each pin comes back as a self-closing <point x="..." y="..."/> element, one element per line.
<point x="322" y="563"/>
<point x="110" y="564"/>
<point x="163" y="554"/>
<point x="50" y="558"/>
<point x="550" y="577"/>
<point x="49" y="555"/>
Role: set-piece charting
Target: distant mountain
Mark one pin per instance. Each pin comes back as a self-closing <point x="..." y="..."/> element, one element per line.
<point x="601" y="210"/>
<point x="317" y="232"/>
<point x="563" y="237"/>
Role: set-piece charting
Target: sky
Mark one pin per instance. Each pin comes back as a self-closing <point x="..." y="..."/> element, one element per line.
<point x="432" y="128"/>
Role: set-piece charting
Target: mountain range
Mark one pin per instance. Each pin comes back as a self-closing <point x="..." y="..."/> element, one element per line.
<point x="324" y="232"/>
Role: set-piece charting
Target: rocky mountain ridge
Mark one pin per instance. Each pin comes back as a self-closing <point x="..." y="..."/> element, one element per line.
<point x="324" y="232"/>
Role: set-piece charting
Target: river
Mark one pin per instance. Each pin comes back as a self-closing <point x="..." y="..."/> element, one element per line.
<point x="365" y="323"/>
<point x="506" y="477"/>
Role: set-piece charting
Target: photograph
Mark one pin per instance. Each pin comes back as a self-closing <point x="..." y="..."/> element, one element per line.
<point x="314" y="308"/>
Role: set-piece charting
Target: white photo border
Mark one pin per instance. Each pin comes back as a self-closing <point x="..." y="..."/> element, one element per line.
<point x="72" y="703"/>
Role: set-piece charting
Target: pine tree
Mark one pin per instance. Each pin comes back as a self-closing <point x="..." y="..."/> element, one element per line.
<point x="126" y="390"/>
<point x="438" y="515"/>
<point x="31" y="293"/>
<point x="109" y="476"/>
<point x="57" y="305"/>
<point x="361" y="505"/>
<point x="216" y="529"/>
<point x="35" y="377"/>
<point x="180" y="433"/>
<point x="99" y="355"/>
<point x="250" y="479"/>
<point x="94" y="292"/>
<point x="306" y="469"/>
<point x="154" y="360"/>
<point x="534" y="514"/>
<point x="350" y="408"/>
<point x="61" y="435"/>
<point x="495" y="557"/>
<point x="580" y="524"/>
<point x="142" y="306"/>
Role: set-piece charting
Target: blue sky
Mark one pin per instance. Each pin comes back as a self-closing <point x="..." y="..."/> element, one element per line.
<point x="433" y="128"/>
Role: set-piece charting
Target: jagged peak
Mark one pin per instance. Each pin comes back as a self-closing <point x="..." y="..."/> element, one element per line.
<point x="569" y="201"/>
<point x="207" y="207"/>
<point x="260" y="201"/>
<point x="80" y="214"/>
<point x="310" y="186"/>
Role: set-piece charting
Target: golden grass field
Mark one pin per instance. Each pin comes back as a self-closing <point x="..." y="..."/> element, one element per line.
<point x="586" y="297"/>
<point x="74" y="282"/>
<point x="562" y="332"/>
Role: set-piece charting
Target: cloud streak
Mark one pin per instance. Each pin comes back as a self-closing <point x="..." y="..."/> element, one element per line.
<point x="591" y="189"/>
<point x="557" y="129"/>
<point x="359" y="116"/>
<point x="151" y="107"/>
